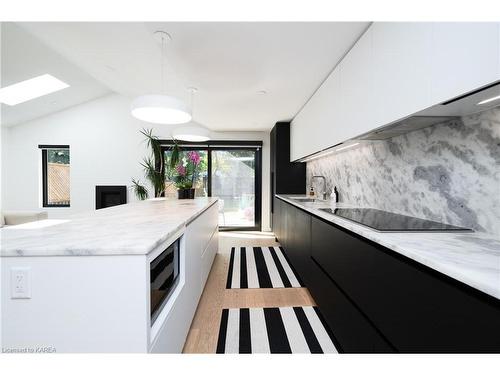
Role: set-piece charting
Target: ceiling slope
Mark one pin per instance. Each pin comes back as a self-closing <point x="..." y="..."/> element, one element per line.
<point x="25" y="56"/>
<point x="230" y="63"/>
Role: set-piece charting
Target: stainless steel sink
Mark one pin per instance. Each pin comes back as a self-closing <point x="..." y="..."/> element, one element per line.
<point x="304" y="200"/>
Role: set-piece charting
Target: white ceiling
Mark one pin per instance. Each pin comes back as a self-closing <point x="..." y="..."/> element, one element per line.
<point x="24" y="57"/>
<point x="228" y="62"/>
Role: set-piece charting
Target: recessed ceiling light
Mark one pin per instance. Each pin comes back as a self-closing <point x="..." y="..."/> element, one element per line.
<point x="262" y="92"/>
<point x="30" y="89"/>
<point x="485" y="101"/>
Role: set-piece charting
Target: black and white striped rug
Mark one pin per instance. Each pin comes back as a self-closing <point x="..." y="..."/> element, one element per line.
<point x="260" y="267"/>
<point x="274" y="330"/>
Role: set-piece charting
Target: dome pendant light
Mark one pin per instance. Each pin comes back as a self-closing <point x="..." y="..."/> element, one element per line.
<point x="193" y="132"/>
<point x="159" y="108"/>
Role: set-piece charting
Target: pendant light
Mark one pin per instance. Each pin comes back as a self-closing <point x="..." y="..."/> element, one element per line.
<point x="192" y="132"/>
<point x="160" y="108"/>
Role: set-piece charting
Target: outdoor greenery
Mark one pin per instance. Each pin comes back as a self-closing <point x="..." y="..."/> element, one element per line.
<point x="221" y="160"/>
<point x="58" y="156"/>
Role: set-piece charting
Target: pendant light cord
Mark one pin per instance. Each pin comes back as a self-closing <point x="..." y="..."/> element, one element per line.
<point x="162" y="63"/>
<point x="192" y="103"/>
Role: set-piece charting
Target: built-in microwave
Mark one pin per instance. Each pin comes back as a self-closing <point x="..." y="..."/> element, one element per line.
<point x="164" y="275"/>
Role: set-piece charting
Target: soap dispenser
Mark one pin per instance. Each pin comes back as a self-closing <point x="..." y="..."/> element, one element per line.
<point x="311" y="191"/>
<point x="336" y="193"/>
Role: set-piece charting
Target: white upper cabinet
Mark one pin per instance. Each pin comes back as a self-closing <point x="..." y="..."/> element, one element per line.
<point x="319" y="119"/>
<point x="336" y="111"/>
<point x="395" y="70"/>
<point x="465" y="56"/>
<point x="357" y="90"/>
<point x="401" y="66"/>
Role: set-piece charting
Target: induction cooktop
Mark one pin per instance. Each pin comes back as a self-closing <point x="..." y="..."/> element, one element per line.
<point x="384" y="221"/>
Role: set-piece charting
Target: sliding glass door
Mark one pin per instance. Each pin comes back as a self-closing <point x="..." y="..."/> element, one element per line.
<point x="232" y="172"/>
<point x="233" y="181"/>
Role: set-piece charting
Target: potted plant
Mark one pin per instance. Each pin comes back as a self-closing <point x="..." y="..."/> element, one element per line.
<point x="154" y="166"/>
<point x="185" y="175"/>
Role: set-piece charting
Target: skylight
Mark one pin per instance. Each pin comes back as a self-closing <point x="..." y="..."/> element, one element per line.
<point x="30" y="89"/>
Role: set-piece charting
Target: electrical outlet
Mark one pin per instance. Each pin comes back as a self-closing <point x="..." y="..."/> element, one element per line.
<point x="20" y="282"/>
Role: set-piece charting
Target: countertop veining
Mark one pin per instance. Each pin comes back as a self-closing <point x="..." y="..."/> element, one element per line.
<point x="130" y="229"/>
<point x="472" y="258"/>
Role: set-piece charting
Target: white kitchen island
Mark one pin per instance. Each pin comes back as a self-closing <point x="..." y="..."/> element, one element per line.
<point x="85" y="283"/>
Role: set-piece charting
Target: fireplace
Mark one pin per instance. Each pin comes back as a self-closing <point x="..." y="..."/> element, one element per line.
<point x="108" y="196"/>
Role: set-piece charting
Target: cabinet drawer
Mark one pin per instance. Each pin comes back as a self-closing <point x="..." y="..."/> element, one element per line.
<point x="416" y="309"/>
<point x="207" y="259"/>
<point x="353" y="332"/>
<point x="202" y="227"/>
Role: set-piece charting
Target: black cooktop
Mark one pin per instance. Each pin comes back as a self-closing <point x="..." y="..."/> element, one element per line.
<point x="390" y="222"/>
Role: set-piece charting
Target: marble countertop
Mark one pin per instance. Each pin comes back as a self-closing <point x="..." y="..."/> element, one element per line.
<point x="130" y="229"/>
<point x="472" y="258"/>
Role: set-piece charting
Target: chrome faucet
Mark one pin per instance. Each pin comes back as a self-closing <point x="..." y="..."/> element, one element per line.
<point x="324" y="185"/>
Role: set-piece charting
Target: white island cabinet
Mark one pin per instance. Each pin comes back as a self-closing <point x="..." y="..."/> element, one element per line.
<point x="85" y="284"/>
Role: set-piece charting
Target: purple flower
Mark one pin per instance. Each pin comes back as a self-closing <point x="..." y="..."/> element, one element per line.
<point x="194" y="157"/>
<point x="181" y="170"/>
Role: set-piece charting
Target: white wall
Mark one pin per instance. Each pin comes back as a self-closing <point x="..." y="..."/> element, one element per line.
<point x="105" y="147"/>
<point x="4" y="133"/>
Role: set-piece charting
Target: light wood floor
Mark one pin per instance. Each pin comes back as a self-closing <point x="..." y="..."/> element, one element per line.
<point x="202" y="337"/>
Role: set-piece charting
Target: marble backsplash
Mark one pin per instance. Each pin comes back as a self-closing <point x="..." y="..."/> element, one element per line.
<point x="449" y="172"/>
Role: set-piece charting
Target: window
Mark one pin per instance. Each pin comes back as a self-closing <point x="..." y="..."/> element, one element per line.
<point x="55" y="176"/>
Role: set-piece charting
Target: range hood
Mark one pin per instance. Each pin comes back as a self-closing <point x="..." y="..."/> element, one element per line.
<point x="452" y="109"/>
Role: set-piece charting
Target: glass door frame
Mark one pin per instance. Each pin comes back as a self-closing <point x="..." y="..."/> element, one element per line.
<point x="225" y="146"/>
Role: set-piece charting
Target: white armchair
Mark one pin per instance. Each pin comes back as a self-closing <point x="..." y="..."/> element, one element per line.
<point x="21" y="217"/>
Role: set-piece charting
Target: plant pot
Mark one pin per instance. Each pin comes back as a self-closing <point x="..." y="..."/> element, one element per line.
<point x="185" y="193"/>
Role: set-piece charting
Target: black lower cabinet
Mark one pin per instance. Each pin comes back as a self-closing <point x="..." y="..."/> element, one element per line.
<point x="376" y="300"/>
<point x="352" y="332"/>
<point x="277" y="218"/>
<point x="416" y="309"/>
<point x="298" y="239"/>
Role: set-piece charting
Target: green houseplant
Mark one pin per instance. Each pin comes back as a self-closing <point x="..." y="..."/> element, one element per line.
<point x="140" y="191"/>
<point x="154" y="166"/>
